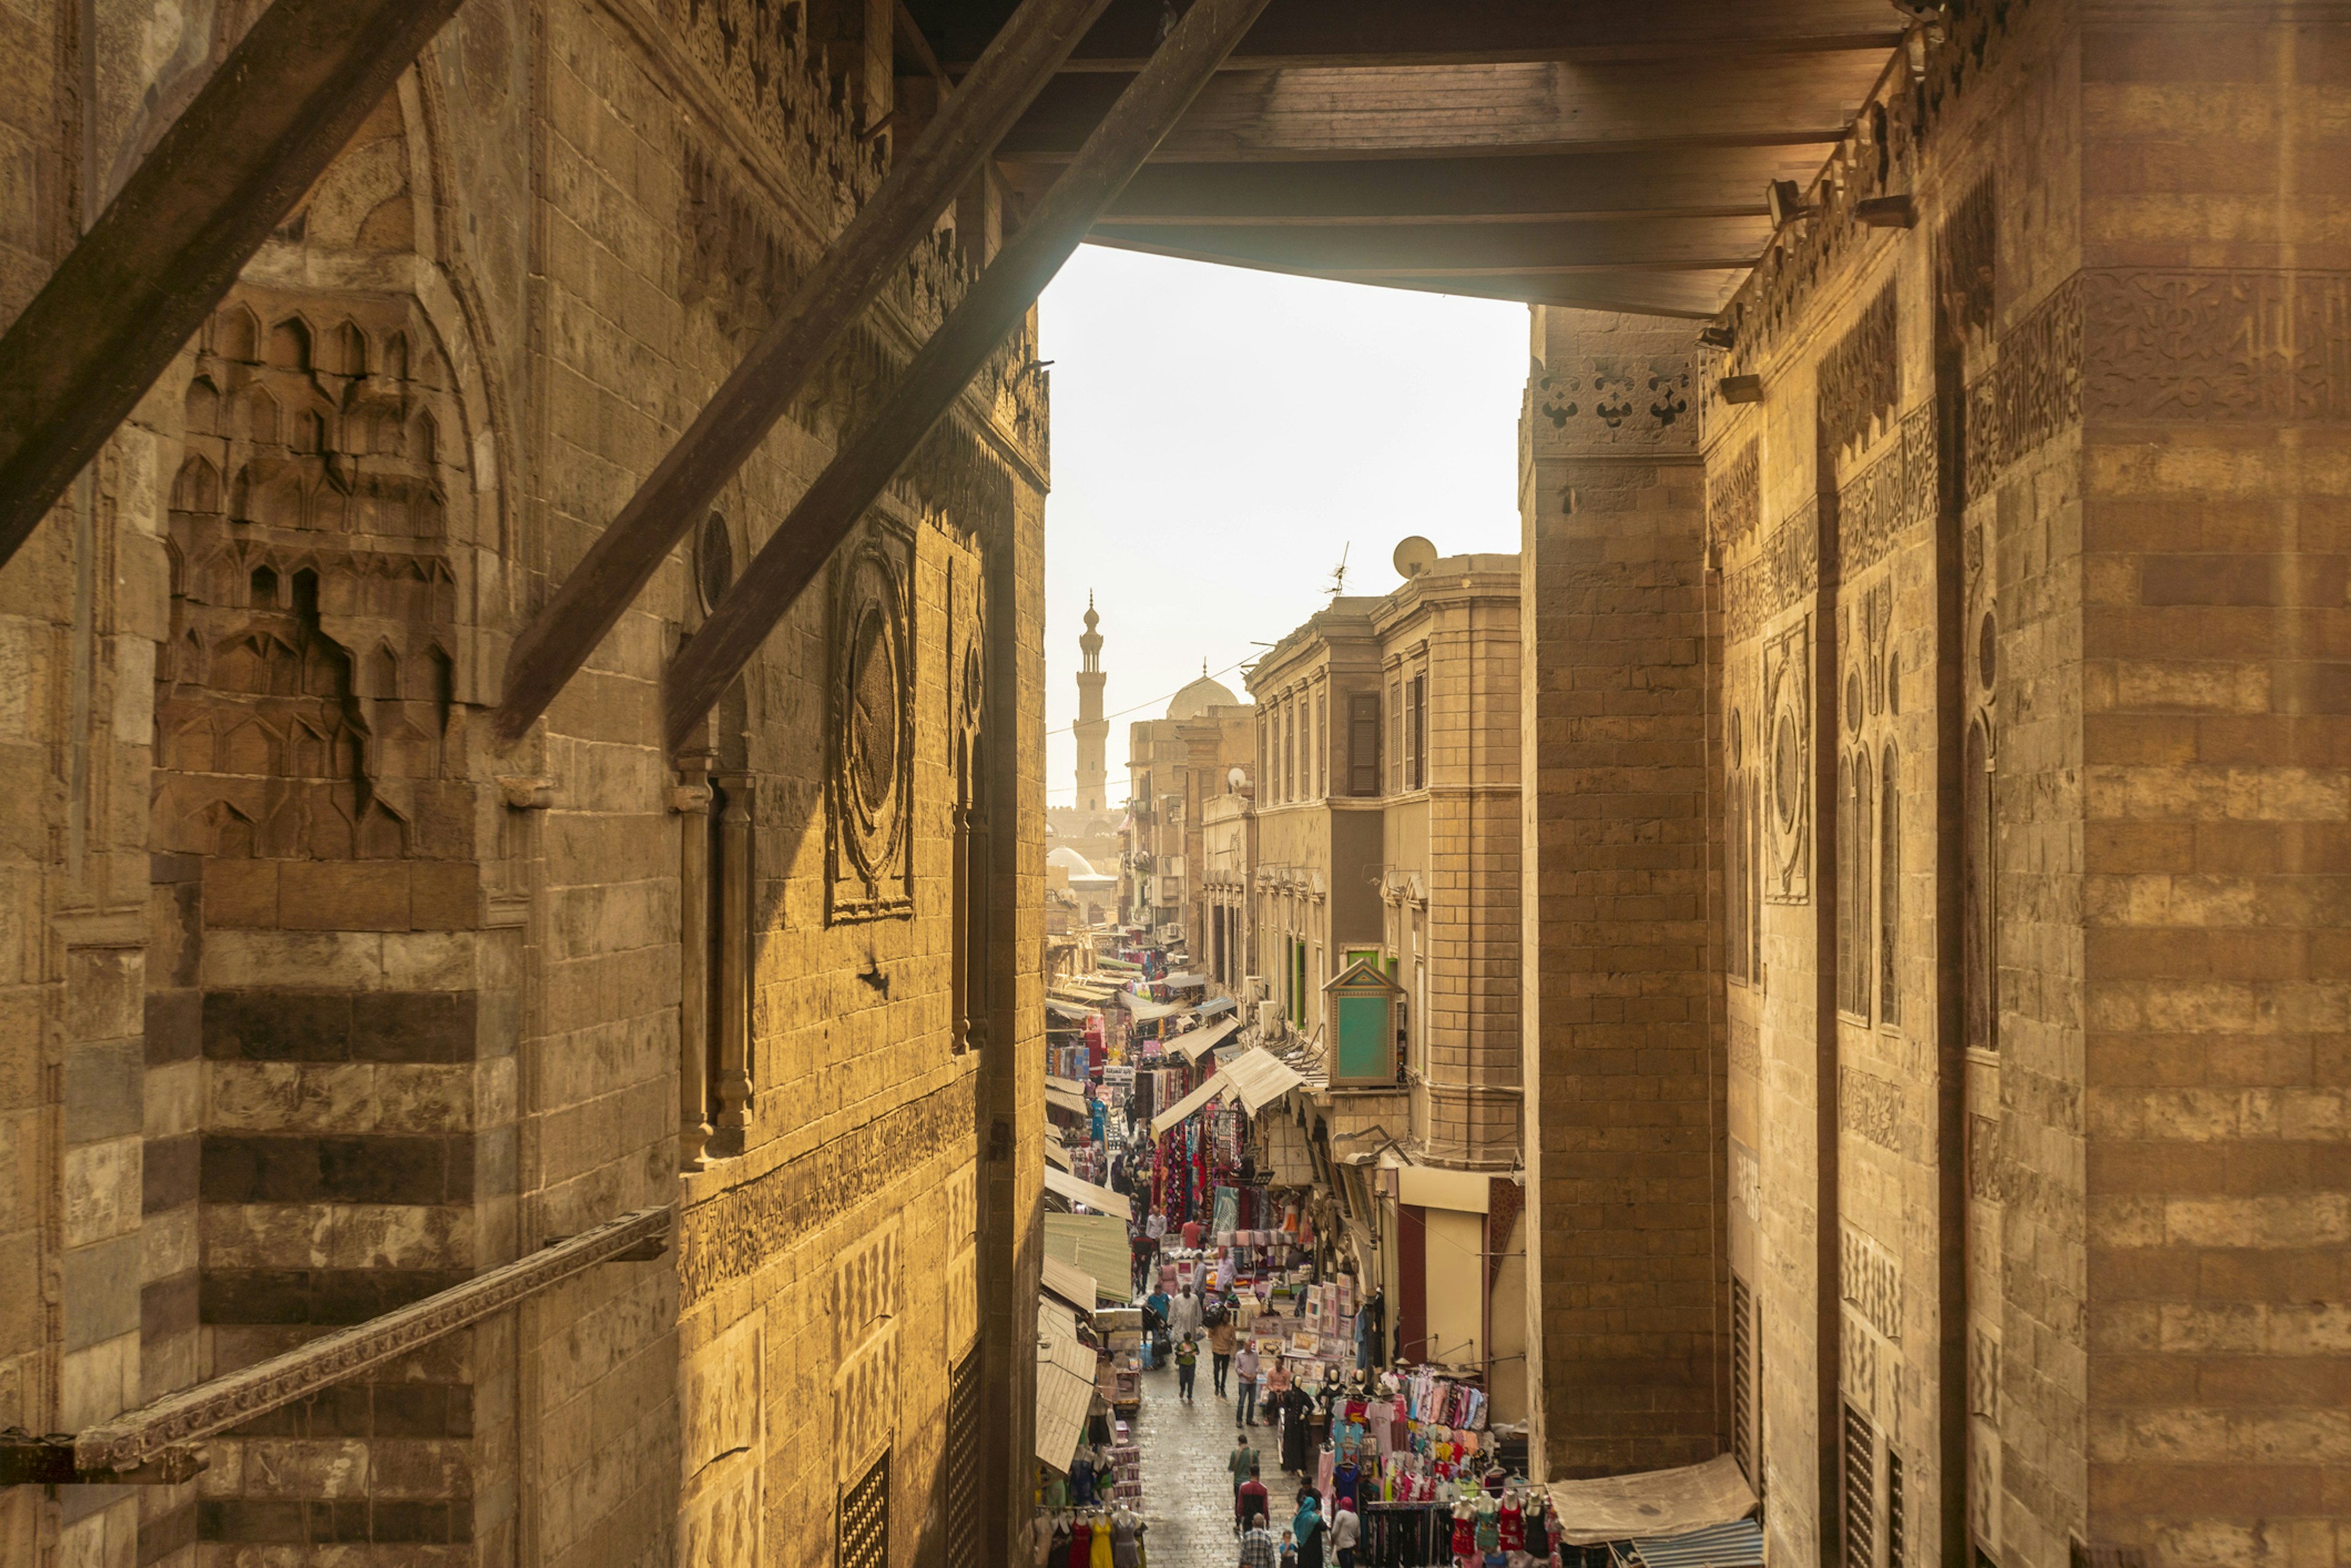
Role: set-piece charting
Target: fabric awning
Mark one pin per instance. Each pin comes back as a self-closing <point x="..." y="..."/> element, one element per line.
<point x="1145" y="1010"/>
<point x="1075" y="1012"/>
<point x="1652" y="1503"/>
<point x="1187" y="982"/>
<point x="1096" y="1243"/>
<point x="1065" y="1397"/>
<point x="1056" y="1319"/>
<point x="1217" y="1005"/>
<point x="1066" y="1085"/>
<point x="1100" y="1200"/>
<point x="1061" y="1099"/>
<point x="1071" y="1283"/>
<point x="1259" y="1077"/>
<point x="1174" y="1116"/>
<point x="1056" y="1151"/>
<point x="1198" y="1042"/>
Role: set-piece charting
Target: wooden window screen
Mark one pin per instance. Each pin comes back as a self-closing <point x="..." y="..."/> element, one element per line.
<point x="1742" y="1381"/>
<point x="861" y="1519"/>
<point x="967" y="1464"/>
<point x="1860" y="1468"/>
<point x="1415" y="733"/>
<point x="1896" y="1556"/>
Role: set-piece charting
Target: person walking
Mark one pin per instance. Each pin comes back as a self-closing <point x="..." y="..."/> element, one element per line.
<point x="1308" y="1528"/>
<point x="1346" y="1529"/>
<point x="1188" y="1367"/>
<point x="1245" y="1368"/>
<point x="1257" y="1545"/>
<point x="1242" y="1463"/>
<point x="1222" y="1336"/>
<point x="1184" y="1313"/>
<point x="1249" y="1502"/>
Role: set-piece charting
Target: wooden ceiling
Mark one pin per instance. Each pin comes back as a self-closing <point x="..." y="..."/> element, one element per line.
<point x="1556" y="151"/>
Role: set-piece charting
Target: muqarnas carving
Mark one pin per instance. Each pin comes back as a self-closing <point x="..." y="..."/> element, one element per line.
<point x="1788" y="764"/>
<point x="307" y="701"/>
<point x="870" y="775"/>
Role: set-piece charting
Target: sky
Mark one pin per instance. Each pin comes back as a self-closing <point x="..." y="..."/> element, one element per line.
<point x="1221" y="438"/>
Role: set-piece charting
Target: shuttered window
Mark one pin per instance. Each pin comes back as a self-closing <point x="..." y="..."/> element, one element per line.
<point x="1415" y="733"/>
<point x="1742" y="1383"/>
<point x="1364" y="744"/>
<point x="1860" y="1492"/>
<point x="1897" y="1532"/>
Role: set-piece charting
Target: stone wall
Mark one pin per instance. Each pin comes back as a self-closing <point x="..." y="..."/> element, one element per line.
<point x="1624" y="1081"/>
<point x="319" y="1004"/>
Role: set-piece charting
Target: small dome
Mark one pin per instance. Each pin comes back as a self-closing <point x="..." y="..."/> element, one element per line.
<point x="1199" y="696"/>
<point x="1068" y="860"/>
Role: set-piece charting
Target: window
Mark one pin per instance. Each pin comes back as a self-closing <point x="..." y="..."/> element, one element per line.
<point x="1976" y="963"/>
<point x="1734" y="877"/>
<point x="1396" y="738"/>
<point x="1856" y="823"/>
<point x="1889" y="894"/>
<point x="1415" y="733"/>
<point x="1743" y="1445"/>
<point x="966" y="1463"/>
<point x="1897" y="1554"/>
<point x="1860" y="1488"/>
<point x="1321" y="743"/>
<point x="1288" y="751"/>
<point x="1364" y="744"/>
<point x="1755" y="879"/>
<point x="861" y="1519"/>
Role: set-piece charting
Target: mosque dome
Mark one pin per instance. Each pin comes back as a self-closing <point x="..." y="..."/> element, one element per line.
<point x="1201" y="696"/>
<point x="1068" y="860"/>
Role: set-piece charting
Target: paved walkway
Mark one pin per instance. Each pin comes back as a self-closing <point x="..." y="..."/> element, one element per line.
<point x="1187" y="1489"/>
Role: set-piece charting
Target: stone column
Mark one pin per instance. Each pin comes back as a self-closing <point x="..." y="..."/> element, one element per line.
<point x="1623" y="1063"/>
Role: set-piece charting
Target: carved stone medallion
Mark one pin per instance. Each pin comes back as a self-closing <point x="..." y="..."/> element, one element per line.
<point x="869" y="776"/>
<point x="1787" y="764"/>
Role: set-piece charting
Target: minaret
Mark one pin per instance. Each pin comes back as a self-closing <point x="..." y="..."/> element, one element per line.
<point x="1091" y="730"/>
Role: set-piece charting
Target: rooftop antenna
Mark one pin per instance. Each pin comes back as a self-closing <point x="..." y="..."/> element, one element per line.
<point x="1338" y="572"/>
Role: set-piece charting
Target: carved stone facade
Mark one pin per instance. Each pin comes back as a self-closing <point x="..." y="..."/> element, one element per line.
<point x="2034" y="489"/>
<point x="313" y="1003"/>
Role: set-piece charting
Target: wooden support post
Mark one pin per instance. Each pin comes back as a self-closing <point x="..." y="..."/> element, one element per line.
<point x="846" y="279"/>
<point x="793" y="555"/>
<point x="167" y="249"/>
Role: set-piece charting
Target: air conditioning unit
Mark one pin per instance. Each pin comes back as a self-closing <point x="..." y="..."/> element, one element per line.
<point x="1268" y="1016"/>
<point x="1253" y="987"/>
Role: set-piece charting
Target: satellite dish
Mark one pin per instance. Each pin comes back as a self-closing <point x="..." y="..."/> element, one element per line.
<point x="1413" y="556"/>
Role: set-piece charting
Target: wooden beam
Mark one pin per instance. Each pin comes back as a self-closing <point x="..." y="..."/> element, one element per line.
<point x="1695" y="293"/>
<point x="797" y="551"/>
<point x="1581" y="246"/>
<point x="167" y="249"/>
<point x="1719" y="181"/>
<point x="941" y="160"/>
<point x="1464" y="32"/>
<point x="127" y="1441"/>
<point x="1450" y="111"/>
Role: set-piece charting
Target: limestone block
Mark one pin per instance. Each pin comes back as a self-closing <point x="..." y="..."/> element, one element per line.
<point x="101" y="1190"/>
<point x="308" y="1468"/>
<point x="309" y="960"/>
<point x="105" y="993"/>
<point x="100" y="1379"/>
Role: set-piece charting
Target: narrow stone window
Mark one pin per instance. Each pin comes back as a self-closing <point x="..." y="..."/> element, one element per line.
<point x="1734" y="879"/>
<point x="1889" y="892"/>
<point x="1744" y="1443"/>
<point x="1396" y="738"/>
<point x="1977" y="962"/>
<point x="1853" y="929"/>
<point x="1896" y="1505"/>
<point x="1415" y="733"/>
<point x="1321" y="743"/>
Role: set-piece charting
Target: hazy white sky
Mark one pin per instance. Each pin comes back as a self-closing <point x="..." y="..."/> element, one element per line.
<point x="1219" y="437"/>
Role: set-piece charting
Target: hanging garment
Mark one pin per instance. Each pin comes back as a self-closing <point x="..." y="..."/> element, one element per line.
<point x="1082" y="1545"/>
<point x="1100" y="1549"/>
<point x="1125" y="1540"/>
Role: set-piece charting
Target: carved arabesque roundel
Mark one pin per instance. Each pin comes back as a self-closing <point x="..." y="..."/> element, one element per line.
<point x="1788" y="735"/>
<point x="1788" y="772"/>
<point x="869" y="785"/>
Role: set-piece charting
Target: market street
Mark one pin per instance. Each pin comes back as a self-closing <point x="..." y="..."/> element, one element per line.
<point x="1186" y="1486"/>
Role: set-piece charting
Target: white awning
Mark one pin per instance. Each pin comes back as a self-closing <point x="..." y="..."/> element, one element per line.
<point x="1063" y="1100"/>
<point x="1066" y="1085"/>
<point x="1187" y="982"/>
<point x="1259" y="1077"/>
<point x="1197" y="1042"/>
<point x="1065" y="1397"/>
<point x="1653" y="1503"/>
<point x="1071" y="1283"/>
<point x="1175" y="1115"/>
<point x="1100" y="1200"/>
<point x="1145" y="1010"/>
